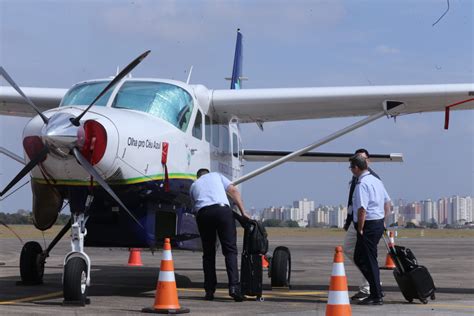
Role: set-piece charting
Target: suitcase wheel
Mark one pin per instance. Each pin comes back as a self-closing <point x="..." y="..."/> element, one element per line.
<point x="424" y="301"/>
<point x="410" y="300"/>
<point x="260" y="299"/>
<point x="433" y="297"/>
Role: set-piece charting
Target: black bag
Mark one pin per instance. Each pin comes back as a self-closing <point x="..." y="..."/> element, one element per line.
<point x="414" y="281"/>
<point x="251" y="275"/>
<point x="255" y="238"/>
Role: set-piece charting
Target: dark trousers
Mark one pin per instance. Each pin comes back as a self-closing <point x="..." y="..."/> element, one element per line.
<point x="365" y="254"/>
<point x="211" y="220"/>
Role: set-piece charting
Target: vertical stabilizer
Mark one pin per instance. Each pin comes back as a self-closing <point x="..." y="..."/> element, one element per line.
<point x="236" y="80"/>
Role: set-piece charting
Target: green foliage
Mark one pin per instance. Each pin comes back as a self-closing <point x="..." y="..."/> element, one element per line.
<point x="23" y="217"/>
<point x="272" y="223"/>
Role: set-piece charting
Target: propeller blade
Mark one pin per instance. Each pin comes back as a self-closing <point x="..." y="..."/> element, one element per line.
<point x="33" y="162"/>
<point x="117" y="78"/>
<point x="7" y="77"/>
<point x="88" y="167"/>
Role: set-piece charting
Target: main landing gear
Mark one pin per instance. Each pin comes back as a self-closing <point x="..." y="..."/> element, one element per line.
<point x="76" y="275"/>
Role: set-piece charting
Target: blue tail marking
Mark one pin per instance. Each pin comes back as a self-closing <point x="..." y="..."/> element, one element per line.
<point x="236" y="82"/>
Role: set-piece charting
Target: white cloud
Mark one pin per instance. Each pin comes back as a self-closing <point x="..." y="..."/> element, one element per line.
<point x="386" y="50"/>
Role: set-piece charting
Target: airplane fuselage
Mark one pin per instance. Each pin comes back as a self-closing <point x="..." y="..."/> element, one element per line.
<point x="146" y="138"/>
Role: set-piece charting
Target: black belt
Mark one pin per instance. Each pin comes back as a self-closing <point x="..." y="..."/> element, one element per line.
<point x="213" y="205"/>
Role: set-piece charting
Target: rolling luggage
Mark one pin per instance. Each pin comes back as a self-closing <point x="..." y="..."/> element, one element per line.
<point x="251" y="273"/>
<point x="414" y="280"/>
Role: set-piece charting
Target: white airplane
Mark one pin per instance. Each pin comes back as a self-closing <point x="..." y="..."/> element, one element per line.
<point x="124" y="151"/>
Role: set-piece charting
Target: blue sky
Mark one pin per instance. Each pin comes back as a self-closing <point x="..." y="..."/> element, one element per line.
<point x="286" y="44"/>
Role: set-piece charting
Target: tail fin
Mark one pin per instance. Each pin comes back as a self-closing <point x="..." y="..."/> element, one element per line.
<point x="236" y="80"/>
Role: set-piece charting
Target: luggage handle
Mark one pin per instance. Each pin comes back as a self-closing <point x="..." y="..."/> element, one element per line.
<point x="393" y="252"/>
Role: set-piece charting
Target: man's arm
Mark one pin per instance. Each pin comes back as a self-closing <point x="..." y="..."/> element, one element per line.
<point x="387" y="207"/>
<point x="236" y="197"/>
<point x="361" y="220"/>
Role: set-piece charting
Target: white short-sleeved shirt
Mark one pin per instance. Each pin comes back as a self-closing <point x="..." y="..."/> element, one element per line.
<point x="209" y="189"/>
<point x="370" y="194"/>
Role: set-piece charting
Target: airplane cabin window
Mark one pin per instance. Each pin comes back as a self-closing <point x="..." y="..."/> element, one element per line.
<point x="215" y="133"/>
<point x="85" y="93"/>
<point x="225" y="140"/>
<point x="197" y="127"/>
<point x="207" y="128"/>
<point x="235" y="145"/>
<point x="166" y="101"/>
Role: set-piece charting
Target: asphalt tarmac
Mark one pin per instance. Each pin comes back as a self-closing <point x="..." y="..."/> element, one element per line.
<point x="119" y="289"/>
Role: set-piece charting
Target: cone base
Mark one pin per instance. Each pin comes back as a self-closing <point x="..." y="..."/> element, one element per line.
<point x="387" y="268"/>
<point x="338" y="310"/>
<point x="135" y="265"/>
<point x="153" y="310"/>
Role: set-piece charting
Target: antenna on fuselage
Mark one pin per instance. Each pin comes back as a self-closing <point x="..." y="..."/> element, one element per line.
<point x="189" y="75"/>
<point x="118" y="71"/>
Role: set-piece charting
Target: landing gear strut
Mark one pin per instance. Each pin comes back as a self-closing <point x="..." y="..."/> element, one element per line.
<point x="77" y="265"/>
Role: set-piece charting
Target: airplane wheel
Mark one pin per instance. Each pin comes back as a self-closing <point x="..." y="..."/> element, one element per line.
<point x="75" y="276"/>
<point x="32" y="263"/>
<point x="281" y="267"/>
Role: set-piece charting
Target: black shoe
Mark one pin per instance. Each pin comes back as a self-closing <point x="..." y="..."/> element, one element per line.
<point x="209" y="296"/>
<point x="371" y="301"/>
<point x="236" y="294"/>
<point x="359" y="296"/>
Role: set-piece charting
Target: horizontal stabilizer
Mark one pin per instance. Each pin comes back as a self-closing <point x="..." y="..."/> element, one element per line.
<point x="265" y="155"/>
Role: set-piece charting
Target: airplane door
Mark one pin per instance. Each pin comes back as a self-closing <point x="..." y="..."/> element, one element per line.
<point x="197" y="146"/>
<point x="236" y="149"/>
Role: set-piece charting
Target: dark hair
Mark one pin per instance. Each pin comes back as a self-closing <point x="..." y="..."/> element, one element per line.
<point x="362" y="151"/>
<point x="202" y="172"/>
<point x="359" y="162"/>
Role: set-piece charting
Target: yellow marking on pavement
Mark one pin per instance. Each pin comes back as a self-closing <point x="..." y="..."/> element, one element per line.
<point x="448" y="306"/>
<point x="268" y="293"/>
<point x="32" y="298"/>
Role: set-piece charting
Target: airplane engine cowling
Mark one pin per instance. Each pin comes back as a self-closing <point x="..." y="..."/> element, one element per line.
<point x="47" y="203"/>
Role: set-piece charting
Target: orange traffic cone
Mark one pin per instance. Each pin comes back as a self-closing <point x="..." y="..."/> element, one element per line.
<point x="265" y="263"/>
<point x="389" y="264"/>
<point x="166" y="297"/>
<point x="135" y="258"/>
<point x="338" y="300"/>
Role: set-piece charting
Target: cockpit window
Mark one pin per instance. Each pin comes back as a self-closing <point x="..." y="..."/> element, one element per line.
<point x="85" y="93"/>
<point x="166" y="101"/>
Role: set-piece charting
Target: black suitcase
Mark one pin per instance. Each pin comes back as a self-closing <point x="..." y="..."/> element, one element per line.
<point x="251" y="275"/>
<point x="251" y="272"/>
<point x="414" y="280"/>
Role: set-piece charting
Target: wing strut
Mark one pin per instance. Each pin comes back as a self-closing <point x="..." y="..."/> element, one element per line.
<point x="321" y="142"/>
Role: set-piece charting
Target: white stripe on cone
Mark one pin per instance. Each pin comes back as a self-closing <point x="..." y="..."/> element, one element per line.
<point x="166" y="276"/>
<point x="338" y="269"/>
<point x="338" y="298"/>
<point x="167" y="255"/>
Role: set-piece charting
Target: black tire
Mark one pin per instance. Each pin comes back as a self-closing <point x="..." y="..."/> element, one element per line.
<point x="32" y="263"/>
<point x="74" y="286"/>
<point x="281" y="267"/>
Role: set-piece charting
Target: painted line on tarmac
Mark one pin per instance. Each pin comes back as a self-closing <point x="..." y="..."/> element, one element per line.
<point x="455" y="306"/>
<point x="32" y="298"/>
<point x="268" y="293"/>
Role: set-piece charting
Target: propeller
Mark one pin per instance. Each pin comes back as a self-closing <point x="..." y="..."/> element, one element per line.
<point x="7" y="77"/>
<point x="117" y="78"/>
<point x="26" y="169"/>
<point x="88" y="167"/>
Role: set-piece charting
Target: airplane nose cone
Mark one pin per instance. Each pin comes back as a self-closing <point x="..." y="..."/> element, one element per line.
<point x="60" y="135"/>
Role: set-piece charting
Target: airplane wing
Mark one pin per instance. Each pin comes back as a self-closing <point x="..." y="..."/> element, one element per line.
<point x="11" y="103"/>
<point x="265" y="155"/>
<point x="254" y="105"/>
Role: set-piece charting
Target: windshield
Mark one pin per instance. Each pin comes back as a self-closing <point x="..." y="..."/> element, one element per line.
<point x="84" y="94"/>
<point x="166" y="101"/>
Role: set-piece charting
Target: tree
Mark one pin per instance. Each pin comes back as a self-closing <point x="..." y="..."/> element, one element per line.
<point x="272" y="223"/>
<point x="291" y="223"/>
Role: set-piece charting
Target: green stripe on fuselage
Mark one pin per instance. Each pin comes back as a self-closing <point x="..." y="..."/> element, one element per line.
<point x="157" y="177"/>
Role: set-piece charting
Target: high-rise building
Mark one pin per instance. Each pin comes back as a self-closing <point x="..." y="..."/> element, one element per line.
<point x="469" y="210"/>
<point x="305" y="206"/>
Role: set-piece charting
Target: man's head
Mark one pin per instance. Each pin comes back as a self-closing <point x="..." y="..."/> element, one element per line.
<point x="363" y="152"/>
<point x="202" y="172"/>
<point x="358" y="164"/>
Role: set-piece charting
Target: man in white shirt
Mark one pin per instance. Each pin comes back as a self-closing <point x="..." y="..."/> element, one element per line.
<point x="214" y="216"/>
<point x="370" y="203"/>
